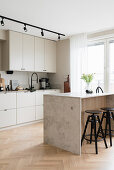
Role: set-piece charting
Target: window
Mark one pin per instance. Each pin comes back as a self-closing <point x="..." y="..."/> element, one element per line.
<point x="95" y="64"/>
<point x="100" y="60"/>
<point x="111" y="66"/>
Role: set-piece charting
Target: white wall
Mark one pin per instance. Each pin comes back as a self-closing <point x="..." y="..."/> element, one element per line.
<point x="63" y="64"/>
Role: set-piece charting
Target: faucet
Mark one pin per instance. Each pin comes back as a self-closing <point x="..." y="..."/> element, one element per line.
<point x="97" y="89"/>
<point x="33" y="80"/>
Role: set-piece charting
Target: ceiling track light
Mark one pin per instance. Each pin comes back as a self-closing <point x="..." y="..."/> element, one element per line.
<point x="27" y="24"/>
<point x="42" y="32"/>
<point x="59" y="37"/>
<point x="25" y="28"/>
<point x="2" y="22"/>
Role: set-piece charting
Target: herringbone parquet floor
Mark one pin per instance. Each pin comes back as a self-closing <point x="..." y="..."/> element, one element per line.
<point x="22" y="148"/>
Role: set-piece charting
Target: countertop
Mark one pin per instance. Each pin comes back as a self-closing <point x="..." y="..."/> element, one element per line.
<point x="44" y="90"/>
<point x="78" y="95"/>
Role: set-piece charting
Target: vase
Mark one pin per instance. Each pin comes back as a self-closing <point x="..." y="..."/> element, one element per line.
<point x="88" y="88"/>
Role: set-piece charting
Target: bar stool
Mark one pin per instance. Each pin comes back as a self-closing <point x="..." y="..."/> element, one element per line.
<point x="108" y="115"/>
<point x="93" y="118"/>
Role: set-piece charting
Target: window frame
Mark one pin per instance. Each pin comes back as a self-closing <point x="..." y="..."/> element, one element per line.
<point x="101" y="41"/>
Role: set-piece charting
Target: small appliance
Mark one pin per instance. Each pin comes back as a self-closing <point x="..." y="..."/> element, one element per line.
<point x="44" y="83"/>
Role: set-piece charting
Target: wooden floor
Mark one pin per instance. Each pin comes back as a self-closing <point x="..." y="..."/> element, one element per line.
<point x="22" y="148"/>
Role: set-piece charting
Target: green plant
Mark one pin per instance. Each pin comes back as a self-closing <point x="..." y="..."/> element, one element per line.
<point x="87" y="77"/>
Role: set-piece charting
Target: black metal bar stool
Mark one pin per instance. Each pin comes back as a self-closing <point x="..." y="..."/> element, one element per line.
<point x="108" y="115"/>
<point x="93" y="118"/>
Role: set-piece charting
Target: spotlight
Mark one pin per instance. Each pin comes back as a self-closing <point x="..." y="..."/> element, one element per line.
<point x="59" y="37"/>
<point x="25" y="28"/>
<point x="42" y="33"/>
<point x="2" y="22"/>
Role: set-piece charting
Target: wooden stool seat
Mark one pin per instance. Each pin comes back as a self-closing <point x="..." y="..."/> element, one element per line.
<point x="93" y="111"/>
<point x="107" y="108"/>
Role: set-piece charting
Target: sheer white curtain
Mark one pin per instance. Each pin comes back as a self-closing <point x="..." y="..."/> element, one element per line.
<point x="78" y="57"/>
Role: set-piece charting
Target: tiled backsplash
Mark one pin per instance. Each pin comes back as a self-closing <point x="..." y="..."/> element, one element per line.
<point x="22" y="77"/>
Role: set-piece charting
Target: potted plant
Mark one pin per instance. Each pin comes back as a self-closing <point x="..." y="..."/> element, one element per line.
<point x="88" y="79"/>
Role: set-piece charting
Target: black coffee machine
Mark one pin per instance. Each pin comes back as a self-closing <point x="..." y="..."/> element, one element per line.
<point x="44" y="83"/>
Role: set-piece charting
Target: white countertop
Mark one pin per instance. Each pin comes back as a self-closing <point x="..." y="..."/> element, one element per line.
<point x="44" y="90"/>
<point x="78" y="95"/>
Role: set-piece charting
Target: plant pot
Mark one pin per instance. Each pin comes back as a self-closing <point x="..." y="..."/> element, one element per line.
<point x="88" y="88"/>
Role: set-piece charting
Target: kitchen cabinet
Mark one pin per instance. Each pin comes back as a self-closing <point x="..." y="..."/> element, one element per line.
<point x="39" y="104"/>
<point x="45" y="55"/>
<point x="25" y="99"/>
<point x="7" y="109"/>
<point x="50" y="56"/>
<point x="26" y="114"/>
<point x="12" y="51"/>
<point x="25" y="107"/>
<point x="18" y="52"/>
<point x="28" y="52"/>
<point x="7" y="101"/>
<point x="21" y="107"/>
<point x="39" y="97"/>
<point x="39" y="54"/>
<point x="15" y="51"/>
<point x="39" y="112"/>
<point x="23" y="52"/>
<point x="7" y="118"/>
<point x="39" y="101"/>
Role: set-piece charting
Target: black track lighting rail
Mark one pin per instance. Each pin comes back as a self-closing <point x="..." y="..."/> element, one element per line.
<point x="26" y="24"/>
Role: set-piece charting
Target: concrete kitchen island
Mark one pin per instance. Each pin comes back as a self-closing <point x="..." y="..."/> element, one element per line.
<point x="64" y="117"/>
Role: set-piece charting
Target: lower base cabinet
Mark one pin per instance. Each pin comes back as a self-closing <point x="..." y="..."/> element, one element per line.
<point x="39" y="112"/>
<point x="23" y="107"/>
<point x="26" y="114"/>
<point x="7" y="118"/>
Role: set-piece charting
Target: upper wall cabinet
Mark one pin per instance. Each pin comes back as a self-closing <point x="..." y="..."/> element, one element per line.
<point x="50" y="56"/>
<point x="18" y="52"/>
<point x="15" y="50"/>
<point x="39" y="54"/>
<point x="45" y="55"/>
<point x="22" y="52"/>
<point x="12" y="51"/>
<point x="28" y="52"/>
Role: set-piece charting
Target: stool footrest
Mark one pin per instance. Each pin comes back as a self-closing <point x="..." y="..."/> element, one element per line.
<point x="98" y="140"/>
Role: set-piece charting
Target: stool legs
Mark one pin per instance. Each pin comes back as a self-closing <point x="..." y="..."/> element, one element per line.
<point x="110" y="128"/>
<point x="100" y="126"/>
<point x="91" y="133"/>
<point x="94" y="119"/>
<point x="85" y="130"/>
<point x="106" y="126"/>
<point x="95" y="134"/>
<point x="108" y="122"/>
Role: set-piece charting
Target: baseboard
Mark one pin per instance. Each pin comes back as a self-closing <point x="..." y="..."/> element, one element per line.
<point x="19" y="125"/>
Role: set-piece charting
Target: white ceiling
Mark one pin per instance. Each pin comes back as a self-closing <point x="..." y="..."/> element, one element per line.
<point x="65" y="16"/>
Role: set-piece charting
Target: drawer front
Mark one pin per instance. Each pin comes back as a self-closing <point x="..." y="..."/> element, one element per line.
<point x="25" y="99"/>
<point x="7" y="101"/>
<point x="39" y="98"/>
<point x="26" y="114"/>
<point x="7" y="118"/>
<point x="39" y="112"/>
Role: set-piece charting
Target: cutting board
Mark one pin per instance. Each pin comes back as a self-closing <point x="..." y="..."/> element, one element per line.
<point x="2" y="81"/>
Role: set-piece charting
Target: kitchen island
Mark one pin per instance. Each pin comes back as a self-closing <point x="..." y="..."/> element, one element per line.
<point x="64" y="117"/>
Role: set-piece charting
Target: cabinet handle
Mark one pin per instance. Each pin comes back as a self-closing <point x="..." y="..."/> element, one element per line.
<point x="44" y="70"/>
<point x="5" y="110"/>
